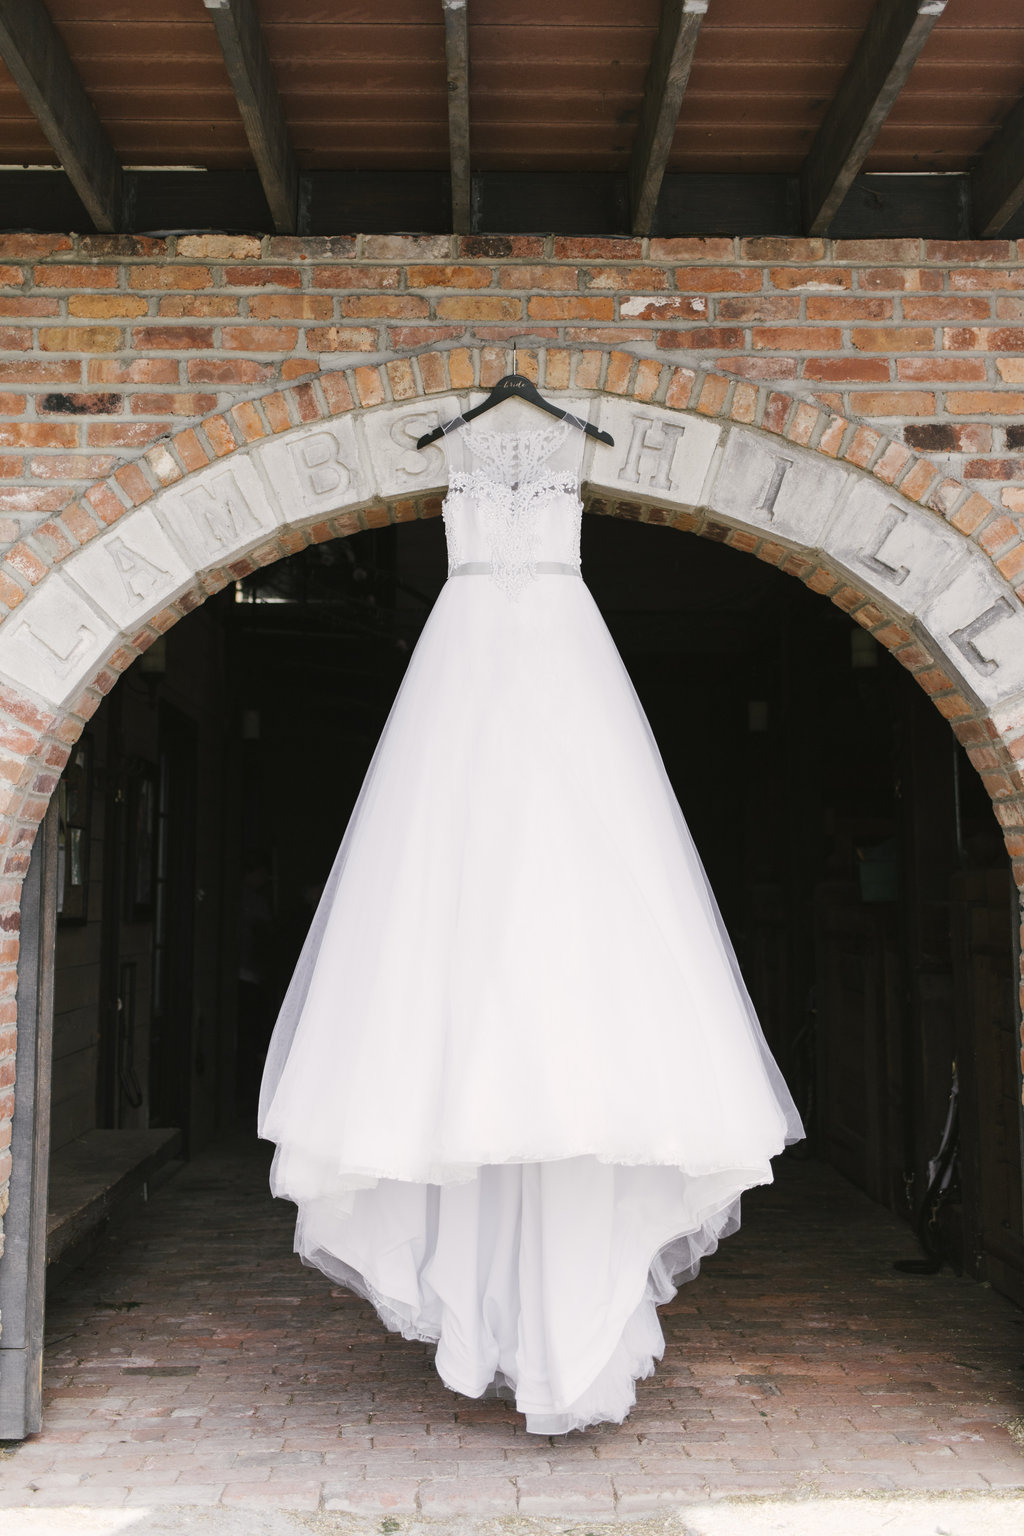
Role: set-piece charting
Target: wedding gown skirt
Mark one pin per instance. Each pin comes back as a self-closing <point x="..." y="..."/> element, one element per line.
<point x="517" y="1086"/>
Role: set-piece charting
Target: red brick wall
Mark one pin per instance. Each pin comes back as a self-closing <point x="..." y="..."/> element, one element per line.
<point x="109" y="342"/>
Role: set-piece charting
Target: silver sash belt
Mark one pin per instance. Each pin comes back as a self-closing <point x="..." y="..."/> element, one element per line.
<point x="540" y="567"/>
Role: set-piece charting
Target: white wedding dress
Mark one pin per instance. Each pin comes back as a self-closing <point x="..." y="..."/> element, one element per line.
<point x="517" y="1085"/>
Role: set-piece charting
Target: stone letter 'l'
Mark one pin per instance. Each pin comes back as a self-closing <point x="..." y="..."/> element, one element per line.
<point x="662" y="447"/>
<point x="872" y="558"/>
<point x="59" y="665"/>
<point x="964" y="638"/>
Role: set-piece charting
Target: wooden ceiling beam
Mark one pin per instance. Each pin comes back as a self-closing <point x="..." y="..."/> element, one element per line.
<point x="885" y="55"/>
<point x="39" y="62"/>
<point x="252" y="80"/>
<point x="456" y="52"/>
<point x="997" y="181"/>
<point x="674" y="47"/>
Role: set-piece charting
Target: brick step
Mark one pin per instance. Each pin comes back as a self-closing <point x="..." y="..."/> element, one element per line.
<point x="94" y="1175"/>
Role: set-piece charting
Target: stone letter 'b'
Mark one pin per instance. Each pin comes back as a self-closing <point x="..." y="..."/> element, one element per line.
<point x="318" y="462"/>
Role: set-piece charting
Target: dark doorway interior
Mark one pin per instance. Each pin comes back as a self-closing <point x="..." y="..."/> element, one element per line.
<point x="852" y="847"/>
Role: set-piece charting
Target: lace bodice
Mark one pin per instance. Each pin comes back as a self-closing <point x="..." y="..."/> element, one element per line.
<point x="513" y="498"/>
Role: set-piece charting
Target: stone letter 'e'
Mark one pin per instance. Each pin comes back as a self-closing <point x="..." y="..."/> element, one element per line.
<point x="964" y="638"/>
<point x="319" y="463"/>
<point x="138" y="575"/>
<point x="872" y="558"/>
<point x="222" y="516"/>
<point x="657" y="440"/>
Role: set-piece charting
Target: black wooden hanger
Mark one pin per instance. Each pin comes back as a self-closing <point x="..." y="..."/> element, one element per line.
<point x="515" y="386"/>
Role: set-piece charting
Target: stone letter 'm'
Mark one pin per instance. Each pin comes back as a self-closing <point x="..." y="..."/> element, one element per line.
<point x="222" y="520"/>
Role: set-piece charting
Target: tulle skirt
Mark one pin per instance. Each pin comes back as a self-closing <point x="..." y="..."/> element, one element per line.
<point x="517" y="1085"/>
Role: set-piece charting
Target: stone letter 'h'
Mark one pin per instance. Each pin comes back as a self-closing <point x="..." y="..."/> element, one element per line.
<point x="662" y="447"/>
<point x="964" y="638"/>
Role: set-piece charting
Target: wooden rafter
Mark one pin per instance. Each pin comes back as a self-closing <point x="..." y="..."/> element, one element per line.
<point x="997" y="181"/>
<point x="885" y="55"/>
<point x="669" y="71"/>
<point x="252" y="80"/>
<point x="456" y="49"/>
<point x="41" y="66"/>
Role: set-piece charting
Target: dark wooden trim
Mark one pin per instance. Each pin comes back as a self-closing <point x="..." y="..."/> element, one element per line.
<point x="39" y="62"/>
<point x="676" y="43"/>
<point x="997" y="182"/>
<point x="456" y="49"/>
<point x="252" y="80"/>
<point x="885" y="55"/>
<point x="504" y="203"/>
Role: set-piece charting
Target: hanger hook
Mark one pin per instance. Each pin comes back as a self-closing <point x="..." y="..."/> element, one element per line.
<point x="513" y="357"/>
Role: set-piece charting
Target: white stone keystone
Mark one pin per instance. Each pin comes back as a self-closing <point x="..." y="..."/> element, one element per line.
<point x="776" y="488"/>
<point x="56" y="643"/>
<point x="316" y="470"/>
<point x="132" y="570"/>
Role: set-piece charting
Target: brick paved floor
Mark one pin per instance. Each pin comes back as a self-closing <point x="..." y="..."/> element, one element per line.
<point x="193" y="1361"/>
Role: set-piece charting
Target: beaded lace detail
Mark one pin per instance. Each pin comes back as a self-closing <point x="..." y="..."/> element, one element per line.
<point x="513" y="479"/>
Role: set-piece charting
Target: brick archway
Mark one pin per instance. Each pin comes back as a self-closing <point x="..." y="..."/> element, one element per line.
<point x="933" y="570"/>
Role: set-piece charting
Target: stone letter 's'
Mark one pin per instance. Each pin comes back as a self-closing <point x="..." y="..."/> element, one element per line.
<point x="404" y="433"/>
